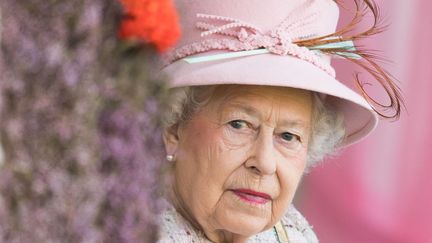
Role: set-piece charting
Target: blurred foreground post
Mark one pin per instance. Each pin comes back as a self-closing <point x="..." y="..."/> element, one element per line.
<point x="79" y="126"/>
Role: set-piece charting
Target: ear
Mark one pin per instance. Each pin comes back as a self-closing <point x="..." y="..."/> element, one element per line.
<point x="171" y="139"/>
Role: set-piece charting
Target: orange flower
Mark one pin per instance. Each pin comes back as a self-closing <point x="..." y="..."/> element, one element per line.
<point x="151" y="21"/>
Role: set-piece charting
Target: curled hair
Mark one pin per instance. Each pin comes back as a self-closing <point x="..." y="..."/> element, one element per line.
<point x="327" y="125"/>
<point x="328" y="131"/>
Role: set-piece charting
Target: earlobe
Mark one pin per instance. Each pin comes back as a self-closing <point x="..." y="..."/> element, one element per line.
<point x="171" y="139"/>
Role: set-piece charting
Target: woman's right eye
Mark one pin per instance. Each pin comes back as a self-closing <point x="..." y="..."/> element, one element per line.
<point x="238" y="124"/>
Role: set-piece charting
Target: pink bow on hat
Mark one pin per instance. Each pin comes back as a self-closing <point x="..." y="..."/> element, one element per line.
<point x="278" y="41"/>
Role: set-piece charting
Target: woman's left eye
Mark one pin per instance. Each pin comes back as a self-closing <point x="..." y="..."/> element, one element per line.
<point x="289" y="137"/>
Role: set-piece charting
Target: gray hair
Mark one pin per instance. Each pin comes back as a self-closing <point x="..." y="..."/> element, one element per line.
<point x="327" y="125"/>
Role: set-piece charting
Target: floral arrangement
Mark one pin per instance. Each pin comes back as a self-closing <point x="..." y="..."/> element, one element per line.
<point x="153" y="21"/>
<point x="79" y="114"/>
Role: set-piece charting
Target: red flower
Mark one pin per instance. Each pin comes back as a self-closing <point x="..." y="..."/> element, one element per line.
<point x="151" y="21"/>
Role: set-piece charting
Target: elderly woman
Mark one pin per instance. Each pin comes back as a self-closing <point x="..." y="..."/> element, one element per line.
<point x="254" y="104"/>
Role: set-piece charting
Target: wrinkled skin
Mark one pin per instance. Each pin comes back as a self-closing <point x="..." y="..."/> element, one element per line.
<point x="245" y="137"/>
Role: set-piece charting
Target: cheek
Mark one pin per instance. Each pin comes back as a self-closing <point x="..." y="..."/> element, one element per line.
<point x="289" y="176"/>
<point x="211" y="149"/>
<point x="205" y="162"/>
<point x="296" y="160"/>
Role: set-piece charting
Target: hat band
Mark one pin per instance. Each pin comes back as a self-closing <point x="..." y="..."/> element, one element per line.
<point x="343" y="45"/>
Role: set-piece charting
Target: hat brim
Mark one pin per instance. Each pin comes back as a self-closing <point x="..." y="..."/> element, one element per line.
<point x="283" y="71"/>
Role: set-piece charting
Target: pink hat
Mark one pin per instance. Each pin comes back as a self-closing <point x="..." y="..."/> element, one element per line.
<point x="251" y="42"/>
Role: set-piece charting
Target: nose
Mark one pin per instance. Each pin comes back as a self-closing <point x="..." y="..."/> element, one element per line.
<point x="263" y="155"/>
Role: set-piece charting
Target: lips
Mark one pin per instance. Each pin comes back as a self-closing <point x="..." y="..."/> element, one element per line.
<point x="252" y="196"/>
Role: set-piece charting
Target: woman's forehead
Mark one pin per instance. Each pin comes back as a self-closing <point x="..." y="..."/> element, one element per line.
<point x="232" y="92"/>
<point x="264" y="102"/>
<point x="254" y="96"/>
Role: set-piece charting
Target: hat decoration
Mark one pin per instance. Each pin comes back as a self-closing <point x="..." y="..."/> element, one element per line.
<point x="252" y="41"/>
<point x="368" y="60"/>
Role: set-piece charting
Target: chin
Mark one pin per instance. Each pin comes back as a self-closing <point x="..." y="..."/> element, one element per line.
<point x="243" y="224"/>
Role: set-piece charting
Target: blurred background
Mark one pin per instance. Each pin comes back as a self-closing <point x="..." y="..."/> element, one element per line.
<point x="377" y="191"/>
<point x="380" y="190"/>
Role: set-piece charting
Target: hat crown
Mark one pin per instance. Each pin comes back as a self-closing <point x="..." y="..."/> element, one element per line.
<point x="306" y="18"/>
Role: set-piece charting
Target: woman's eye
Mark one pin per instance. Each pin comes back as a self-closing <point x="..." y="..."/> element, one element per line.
<point x="289" y="137"/>
<point x="238" y="124"/>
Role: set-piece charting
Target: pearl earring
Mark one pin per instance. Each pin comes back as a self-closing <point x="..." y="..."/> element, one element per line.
<point x="170" y="157"/>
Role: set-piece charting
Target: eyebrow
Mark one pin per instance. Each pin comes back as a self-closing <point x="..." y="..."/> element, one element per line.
<point x="243" y="107"/>
<point x="253" y="112"/>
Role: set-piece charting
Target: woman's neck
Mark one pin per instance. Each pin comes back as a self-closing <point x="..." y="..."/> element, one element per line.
<point x="225" y="237"/>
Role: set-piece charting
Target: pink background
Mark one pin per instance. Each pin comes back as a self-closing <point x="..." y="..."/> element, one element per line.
<point x="380" y="190"/>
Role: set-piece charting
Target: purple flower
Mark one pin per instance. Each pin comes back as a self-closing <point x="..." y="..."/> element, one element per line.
<point x="79" y="127"/>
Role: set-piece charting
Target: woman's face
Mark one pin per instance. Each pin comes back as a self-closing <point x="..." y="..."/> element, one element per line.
<point x="240" y="158"/>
